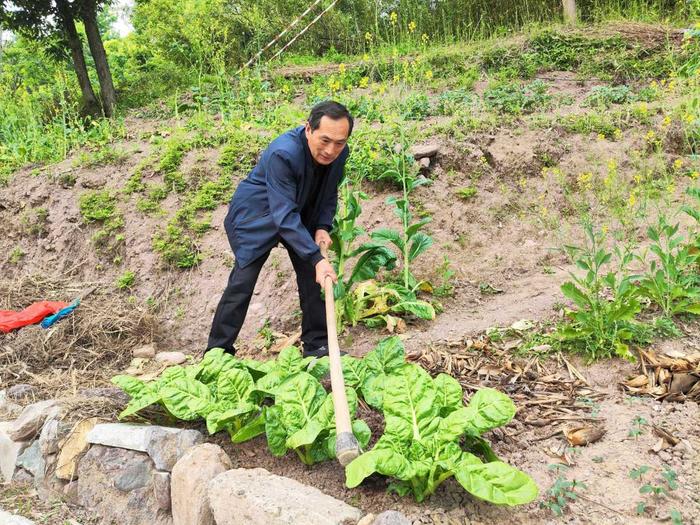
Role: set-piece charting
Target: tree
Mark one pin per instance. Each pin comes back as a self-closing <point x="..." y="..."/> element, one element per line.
<point x="569" y="11"/>
<point x="47" y="19"/>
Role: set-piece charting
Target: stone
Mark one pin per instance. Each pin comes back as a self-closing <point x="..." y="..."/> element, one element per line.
<point x="188" y="484"/>
<point x="391" y="517"/>
<point x="9" y="452"/>
<point x="32" y="461"/>
<point x="424" y="162"/>
<point x="52" y="433"/>
<point x="146" y="351"/>
<point x="165" y="445"/>
<point x="112" y="393"/>
<point x="171" y="358"/>
<point x="72" y="448"/>
<point x="22" y="476"/>
<point x="70" y="492"/>
<point x="166" y="448"/>
<point x="21" y="392"/>
<point x="8" y="409"/>
<point x="366" y="520"/>
<point x="101" y="481"/>
<point x="420" y="151"/>
<point x="257" y="497"/>
<point x="161" y="489"/>
<point x="134" y="476"/>
<point x="12" y="519"/>
<point x="32" y="418"/>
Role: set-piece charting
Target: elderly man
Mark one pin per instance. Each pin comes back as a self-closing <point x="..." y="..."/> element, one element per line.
<point x="289" y="197"/>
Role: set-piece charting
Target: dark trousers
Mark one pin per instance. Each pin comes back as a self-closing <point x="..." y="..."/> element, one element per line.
<point x="233" y="305"/>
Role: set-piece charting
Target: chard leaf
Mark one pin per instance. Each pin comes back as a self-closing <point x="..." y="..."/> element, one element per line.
<point x="290" y="361"/>
<point x="305" y="435"/>
<point x="251" y="429"/>
<point x="448" y="393"/>
<point x="186" y="398"/>
<point x="383" y="459"/>
<point x="212" y="364"/>
<point x="276" y="433"/>
<point x="354" y="371"/>
<point x="234" y="386"/>
<point x="373" y="390"/>
<point x="498" y="483"/>
<point x="299" y="398"/>
<point x="492" y="409"/>
<point x="142" y="394"/>
<point x="319" y="368"/>
<point x="419" y="243"/>
<point x="268" y="384"/>
<point x="361" y="431"/>
<point x="131" y="385"/>
<point x="419" y="308"/>
<point x="409" y="403"/>
<point x="218" y="420"/>
<point x="388" y="355"/>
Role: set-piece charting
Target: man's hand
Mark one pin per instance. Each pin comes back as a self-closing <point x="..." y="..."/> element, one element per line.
<point x="324" y="268"/>
<point x="322" y="237"/>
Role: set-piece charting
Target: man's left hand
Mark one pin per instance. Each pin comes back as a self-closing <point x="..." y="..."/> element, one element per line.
<point x="322" y="237"/>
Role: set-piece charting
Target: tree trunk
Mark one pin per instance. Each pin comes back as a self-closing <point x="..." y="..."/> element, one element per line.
<point x="569" y="11"/>
<point x="97" y="49"/>
<point x="90" y="105"/>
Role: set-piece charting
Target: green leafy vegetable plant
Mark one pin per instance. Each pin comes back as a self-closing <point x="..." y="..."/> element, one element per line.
<point x="430" y="436"/>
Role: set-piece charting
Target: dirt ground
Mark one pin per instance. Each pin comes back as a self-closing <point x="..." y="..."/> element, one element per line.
<point x="495" y="240"/>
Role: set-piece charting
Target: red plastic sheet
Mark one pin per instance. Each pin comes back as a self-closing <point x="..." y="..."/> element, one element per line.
<point x="11" y="320"/>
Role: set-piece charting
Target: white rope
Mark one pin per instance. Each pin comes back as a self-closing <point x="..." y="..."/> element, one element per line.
<point x="303" y="30"/>
<point x="276" y="39"/>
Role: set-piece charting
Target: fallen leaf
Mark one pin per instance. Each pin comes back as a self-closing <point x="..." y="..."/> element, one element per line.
<point x="581" y="436"/>
<point x="637" y="382"/>
<point x="682" y="383"/>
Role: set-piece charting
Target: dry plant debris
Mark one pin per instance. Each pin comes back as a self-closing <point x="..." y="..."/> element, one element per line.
<point x="669" y="376"/>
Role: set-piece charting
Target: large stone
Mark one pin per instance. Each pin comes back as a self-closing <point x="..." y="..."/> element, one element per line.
<point x="72" y="448"/>
<point x="171" y="358"/>
<point x="391" y="517"/>
<point x="32" y="461"/>
<point x="430" y="149"/>
<point x="147" y="351"/>
<point x="114" y="394"/>
<point x="8" y="409"/>
<point x="51" y="435"/>
<point x="12" y="519"/>
<point x="188" y="484"/>
<point x="9" y="452"/>
<point x="165" y="445"/>
<point x="104" y="474"/>
<point x="256" y="497"/>
<point x="166" y="448"/>
<point x="32" y="418"/>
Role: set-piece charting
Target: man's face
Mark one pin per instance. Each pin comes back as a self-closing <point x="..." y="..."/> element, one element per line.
<point x="328" y="141"/>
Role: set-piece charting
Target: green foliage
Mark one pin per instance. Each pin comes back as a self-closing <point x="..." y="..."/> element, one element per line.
<point x="97" y="206"/>
<point x="562" y="493"/>
<point x="606" y="302"/>
<point x="517" y="100"/>
<point x="672" y="280"/>
<point x="446" y="287"/>
<point x="16" y="255"/>
<point x="421" y="445"/>
<point x="415" y="106"/>
<point x="125" y="280"/>
<point x="454" y="102"/>
<point x="430" y="435"/>
<point x="604" y="96"/>
<point x="467" y="193"/>
<point x="177" y="247"/>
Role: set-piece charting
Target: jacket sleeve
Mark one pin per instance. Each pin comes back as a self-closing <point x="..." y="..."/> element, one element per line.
<point x="281" y="193"/>
<point x="330" y="204"/>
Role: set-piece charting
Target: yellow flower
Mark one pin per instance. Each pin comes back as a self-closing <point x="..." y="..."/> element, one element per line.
<point x="604" y="229"/>
<point x="654" y="84"/>
<point x="369" y="37"/>
<point x="677" y="164"/>
<point x="382" y="89"/>
<point x="650" y="136"/>
<point x="424" y="38"/>
<point x="637" y="178"/>
<point x="341" y="69"/>
<point x="365" y="57"/>
<point x="695" y="175"/>
<point x="632" y="200"/>
<point x="612" y="165"/>
<point x="429" y="74"/>
<point x="666" y="122"/>
<point x="393" y="17"/>
<point x="671" y="85"/>
<point x="617" y="134"/>
<point x="411" y="26"/>
<point x="671" y="189"/>
<point x="397" y="78"/>
<point x="688" y="118"/>
<point x="601" y="136"/>
<point x="364" y="82"/>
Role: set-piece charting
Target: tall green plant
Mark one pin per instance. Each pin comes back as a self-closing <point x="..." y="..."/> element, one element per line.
<point x="606" y="303"/>
<point x="672" y="281"/>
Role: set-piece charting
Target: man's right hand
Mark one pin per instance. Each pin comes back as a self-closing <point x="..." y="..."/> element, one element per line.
<point x="323" y="269"/>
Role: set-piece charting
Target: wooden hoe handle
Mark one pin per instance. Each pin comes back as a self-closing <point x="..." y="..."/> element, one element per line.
<point x="346" y="446"/>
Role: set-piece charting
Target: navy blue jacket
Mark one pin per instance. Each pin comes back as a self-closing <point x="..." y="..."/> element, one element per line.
<point x="266" y="205"/>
